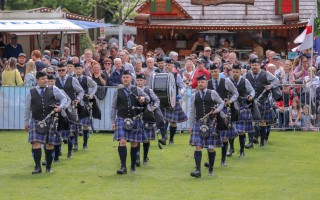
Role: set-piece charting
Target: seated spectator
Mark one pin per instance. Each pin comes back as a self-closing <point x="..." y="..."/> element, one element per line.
<point x="31" y="71"/>
<point x="284" y="105"/>
<point x="295" y="114"/>
<point x="13" y="49"/>
<point x="115" y="77"/>
<point x="10" y="75"/>
<point x="100" y="78"/>
<point x="21" y="65"/>
<point x="306" y="119"/>
<point x="36" y="57"/>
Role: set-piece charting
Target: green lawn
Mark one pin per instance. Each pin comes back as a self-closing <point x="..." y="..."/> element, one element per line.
<point x="289" y="168"/>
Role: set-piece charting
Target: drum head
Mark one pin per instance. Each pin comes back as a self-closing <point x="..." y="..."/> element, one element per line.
<point x="172" y="91"/>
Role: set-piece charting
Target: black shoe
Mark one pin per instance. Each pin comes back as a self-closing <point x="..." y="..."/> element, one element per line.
<point x="81" y="133"/>
<point x="65" y="141"/>
<point x="211" y="172"/>
<point x="69" y="155"/>
<point x="138" y="163"/>
<point x="265" y="139"/>
<point x="255" y="140"/>
<point x="49" y="170"/>
<point x="75" y="147"/>
<point x="223" y="163"/>
<point x="133" y="170"/>
<point x="249" y="146"/>
<point x="146" y="161"/>
<point x="37" y="170"/>
<point x="262" y="146"/>
<point x="122" y="170"/>
<point x="241" y="155"/>
<point x="162" y="141"/>
<point x="44" y="163"/>
<point x="56" y="161"/>
<point x="171" y="142"/>
<point x="206" y="164"/>
<point x="230" y="152"/>
<point x="196" y="174"/>
<point x="85" y="147"/>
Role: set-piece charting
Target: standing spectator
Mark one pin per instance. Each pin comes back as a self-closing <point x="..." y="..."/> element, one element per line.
<point x="174" y="56"/>
<point x="113" y="40"/>
<point x="130" y="43"/>
<point x="302" y="70"/>
<point x="115" y="77"/>
<point x="199" y="71"/>
<point x="55" y="58"/>
<point x="124" y="59"/>
<point x="67" y="53"/>
<point x="50" y="71"/>
<point x="138" y="55"/>
<point x="107" y="64"/>
<point x="13" y="49"/>
<point x="199" y="45"/>
<point x="158" y="53"/>
<point x="10" y="75"/>
<point x="227" y="69"/>
<point x="287" y="75"/>
<point x="188" y="73"/>
<point x="99" y="77"/>
<point x="225" y="57"/>
<point x="138" y="68"/>
<point x="103" y="55"/>
<point x="96" y="56"/>
<point x="149" y="71"/>
<point x="270" y="55"/>
<point x="46" y="60"/>
<point x="31" y="71"/>
<point x="312" y="83"/>
<point x="54" y="45"/>
<point x="206" y="57"/>
<point x="279" y="65"/>
<point x="194" y="58"/>
<point x="284" y="105"/>
<point x="21" y="65"/>
<point x="257" y="48"/>
<point x="233" y="58"/>
<point x="114" y="51"/>
<point x="87" y="62"/>
<point x="36" y="57"/>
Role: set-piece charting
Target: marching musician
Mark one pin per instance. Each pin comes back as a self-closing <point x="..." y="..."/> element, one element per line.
<point x="225" y="88"/>
<point x="246" y="95"/>
<point x="175" y="115"/>
<point x="90" y="87"/>
<point x="126" y="119"/>
<point x="262" y="82"/>
<point x="73" y="89"/>
<point x="39" y="105"/>
<point x="202" y="105"/>
<point x="149" y="124"/>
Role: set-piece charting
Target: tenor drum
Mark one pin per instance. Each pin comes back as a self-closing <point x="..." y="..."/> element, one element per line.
<point x="164" y="86"/>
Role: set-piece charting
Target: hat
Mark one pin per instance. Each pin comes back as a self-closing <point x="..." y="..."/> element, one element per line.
<point x="159" y="59"/>
<point x="141" y="76"/>
<point x="40" y="74"/>
<point x="77" y="65"/>
<point x="236" y="66"/>
<point x="214" y="66"/>
<point x="127" y="72"/>
<point x="225" y="49"/>
<point x="252" y="56"/>
<point x="56" y="52"/>
<point x="201" y="60"/>
<point x="169" y="61"/>
<point x="46" y="57"/>
<point x="14" y="36"/>
<point x="202" y="77"/>
<point x="22" y="54"/>
<point x="277" y="57"/>
<point x="207" y="49"/>
<point x="50" y="77"/>
<point x="70" y="62"/>
<point x="63" y="64"/>
<point x="256" y="60"/>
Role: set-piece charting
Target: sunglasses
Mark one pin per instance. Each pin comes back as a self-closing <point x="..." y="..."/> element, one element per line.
<point x="61" y="70"/>
<point x="50" y="72"/>
<point x="225" y="52"/>
<point x="107" y="63"/>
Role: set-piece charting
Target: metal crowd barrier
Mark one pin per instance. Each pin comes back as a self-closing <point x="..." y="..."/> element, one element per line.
<point x="12" y="103"/>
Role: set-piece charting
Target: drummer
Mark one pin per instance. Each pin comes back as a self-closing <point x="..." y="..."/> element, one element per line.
<point x="175" y="115"/>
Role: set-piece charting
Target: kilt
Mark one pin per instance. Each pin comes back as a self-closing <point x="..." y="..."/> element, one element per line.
<point x="135" y="135"/>
<point x="266" y="112"/>
<point x="150" y="132"/>
<point x="244" y="125"/>
<point x="213" y="141"/>
<point x="74" y="129"/>
<point x="51" y="137"/>
<point x="86" y="121"/>
<point x="232" y="133"/>
<point x="175" y="115"/>
<point x="64" y="134"/>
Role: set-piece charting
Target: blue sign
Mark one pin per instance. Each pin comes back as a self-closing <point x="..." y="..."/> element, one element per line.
<point x="292" y="55"/>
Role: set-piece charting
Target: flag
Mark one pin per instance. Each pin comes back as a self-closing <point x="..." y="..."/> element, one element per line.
<point x="306" y="37"/>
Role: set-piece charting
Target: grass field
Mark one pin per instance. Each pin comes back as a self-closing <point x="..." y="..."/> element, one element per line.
<point x="289" y="168"/>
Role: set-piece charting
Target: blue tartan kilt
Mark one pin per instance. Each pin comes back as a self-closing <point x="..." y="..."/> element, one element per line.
<point x="175" y="115"/>
<point x="213" y="141"/>
<point x="149" y="130"/>
<point x="64" y="134"/>
<point x="244" y="126"/>
<point x="86" y="122"/>
<point x="74" y="129"/>
<point x="135" y="135"/>
<point x="245" y="114"/>
<point x="51" y="136"/>
<point x="266" y="112"/>
<point x="232" y="133"/>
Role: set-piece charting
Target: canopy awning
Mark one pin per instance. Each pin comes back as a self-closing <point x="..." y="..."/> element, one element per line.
<point x="88" y="25"/>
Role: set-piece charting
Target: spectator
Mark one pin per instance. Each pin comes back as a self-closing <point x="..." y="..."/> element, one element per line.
<point x="13" y="49"/>
<point x="257" y="48"/>
<point x="188" y="73"/>
<point x="75" y="60"/>
<point x="138" y="68"/>
<point x="114" y="51"/>
<point x="54" y="45"/>
<point x="113" y="40"/>
<point x="227" y="69"/>
<point x="130" y="43"/>
<point x="283" y="106"/>
<point x="161" y="66"/>
<point x="47" y="52"/>
<point x="302" y="70"/>
<point x="199" y="71"/>
<point x="287" y="75"/>
<point x="124" y="56"/>
<point x="36" y="57"/>
<point x="115" y="77"/>
<point x="107" y="64"/>
<point x="194" y="58"/>
<point x="158" y="53"/>
<point x="100" y="78"/>
<point x="103" y="55"/>
<point x="31" y="71"/>
<point x="233" y="58"/>
<point x="225" y="56"/>
<point x="306" y="119"/>
<point x="272" y="69"/>
<point x="21" y="65"/>
<point x="67" y="53"/>
<point x="279" y="65"/>
<point x="96" y="56"/>
<point x="149" y="70"/>
<point x="174" y="56"/>
<point x="295" y="114"/>
<point x="312" y="83"/>
<point x="55" y="58"/>
<point x="269" y="59"/>
<point x="206" y="57"/>
<point x="50" y="71"/>
<point x="87" y="62"/>
<point x="139" y="55"/>
<point x="70" y="68"/>
<point x="46" y="60"/>
<point x="10" y="75"/>
<point x="199" y="45"/>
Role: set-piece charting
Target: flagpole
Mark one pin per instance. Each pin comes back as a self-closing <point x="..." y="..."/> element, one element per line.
<point x="311" y="74"/>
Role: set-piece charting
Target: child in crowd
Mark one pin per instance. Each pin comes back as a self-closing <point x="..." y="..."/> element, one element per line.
<point x="295" y="114"/>
<point x="306" y="119"/>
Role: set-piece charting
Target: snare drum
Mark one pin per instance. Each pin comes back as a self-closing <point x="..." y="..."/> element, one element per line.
<point x="164" y="86"/>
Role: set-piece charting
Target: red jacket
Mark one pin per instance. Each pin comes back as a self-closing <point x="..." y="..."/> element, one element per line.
<point x="197" y="73"/>
<point x="281" y="102"/>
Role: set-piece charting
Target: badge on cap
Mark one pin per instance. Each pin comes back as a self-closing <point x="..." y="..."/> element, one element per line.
<point x="214" y="66"/>
<point x="141" y="76"/>
<point x="202" y="77"/>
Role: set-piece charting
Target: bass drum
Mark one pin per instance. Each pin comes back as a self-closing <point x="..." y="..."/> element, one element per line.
<point x="164" y="86"/>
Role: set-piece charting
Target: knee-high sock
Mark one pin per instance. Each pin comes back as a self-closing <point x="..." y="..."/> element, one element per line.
<point x="262" y="134"/>
<point x="164" y="131"/>
<point x="242" y="139"/>
<point x="75" y="139"/>
<point x="197" y="159"/>
<point x="85" y="137"/>
<point x="250" y="136"/>
<point x="231" y="142"/>
<point x="138" y="152"/>
<point x="267" y="132"/>
<point x="56" y="151"/>
<point x="212" y="157"/>
<point x="172" y="132"/>
<point x="70" y="144"/>
<point x="133" y="154"/>
<point x="257" y="131"/>
<point x="146" y="147"/>
<point x="224" y="150"/>
<point x="49" y="157"/>
<point x="123" y="155"/>
<point x="36" y="154"/>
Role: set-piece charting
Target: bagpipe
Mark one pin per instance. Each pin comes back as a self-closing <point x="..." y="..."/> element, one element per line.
<point x="205" y="124"/>
<point x="52" y="119"/>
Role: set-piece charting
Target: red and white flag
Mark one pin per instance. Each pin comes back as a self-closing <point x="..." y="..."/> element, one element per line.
<point x="306" y="37"/>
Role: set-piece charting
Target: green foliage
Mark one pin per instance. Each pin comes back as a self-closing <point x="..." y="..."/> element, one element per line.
<point x="85" y="43"/>
<point x="287" y="169"/>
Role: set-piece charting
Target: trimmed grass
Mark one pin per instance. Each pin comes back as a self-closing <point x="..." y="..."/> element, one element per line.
<point x="287" y="169"/>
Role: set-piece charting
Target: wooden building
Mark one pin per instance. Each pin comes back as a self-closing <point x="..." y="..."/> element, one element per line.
<point x="176" y="24"/>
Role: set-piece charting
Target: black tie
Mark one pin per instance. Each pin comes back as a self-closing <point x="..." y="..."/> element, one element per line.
<point x="216" y="84"/>
<point x="62" y="82"/>
<point x="79" y="79"/>
<point x="255" y="77"/>
<point x="202" y="95"/>
<point x="127" y="91"/>
<point x="42" y="91"/>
